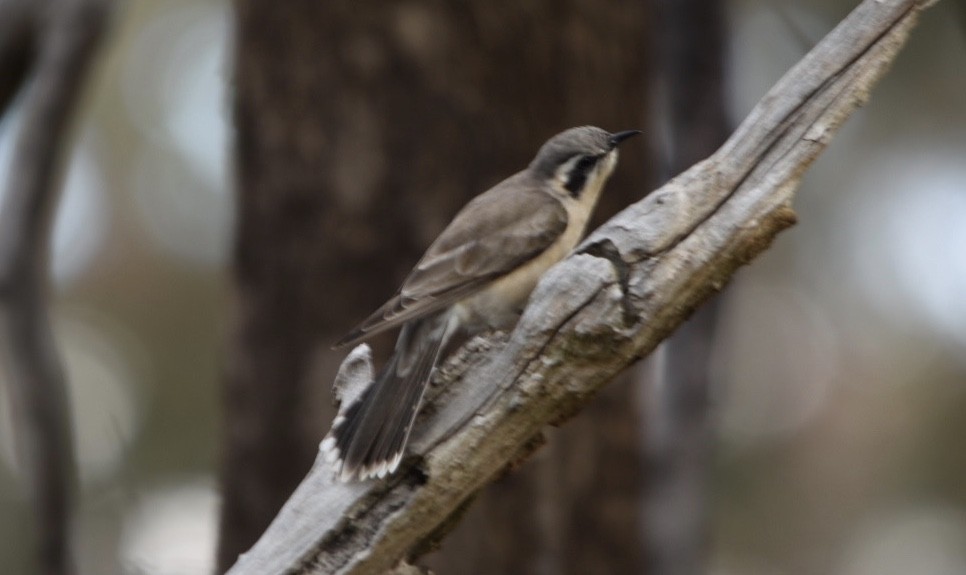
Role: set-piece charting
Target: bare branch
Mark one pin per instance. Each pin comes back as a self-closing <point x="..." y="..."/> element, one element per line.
<point x="42" y="418"/>
<point x="625" y="289"/>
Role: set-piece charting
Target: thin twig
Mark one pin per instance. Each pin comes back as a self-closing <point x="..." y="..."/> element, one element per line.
<point x="71" y="32"/>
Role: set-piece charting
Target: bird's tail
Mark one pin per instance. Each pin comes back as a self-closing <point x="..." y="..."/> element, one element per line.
<point x="368" y="438"/>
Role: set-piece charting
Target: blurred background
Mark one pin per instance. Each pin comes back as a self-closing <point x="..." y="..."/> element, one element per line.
<point x="838" y="370"/>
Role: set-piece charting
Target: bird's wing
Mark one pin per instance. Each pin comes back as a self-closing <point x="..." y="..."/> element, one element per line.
<point x="494" y="234"/>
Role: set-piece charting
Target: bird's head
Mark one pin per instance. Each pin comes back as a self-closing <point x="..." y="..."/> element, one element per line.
<point x="579" y="158"/>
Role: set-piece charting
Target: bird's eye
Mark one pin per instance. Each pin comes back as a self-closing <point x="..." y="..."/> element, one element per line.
<point x="585" y="163"/>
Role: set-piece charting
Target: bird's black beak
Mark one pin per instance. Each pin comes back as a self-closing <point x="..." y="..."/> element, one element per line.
<point x="619" y="137"/>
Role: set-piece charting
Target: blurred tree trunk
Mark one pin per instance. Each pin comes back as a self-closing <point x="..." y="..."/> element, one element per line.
<point x="361" y="130"/>
<point x="679" y="434"/>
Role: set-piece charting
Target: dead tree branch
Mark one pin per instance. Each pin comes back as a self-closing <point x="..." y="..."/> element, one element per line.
<point x="70" y="33"/>
<point x="610" y="303"/>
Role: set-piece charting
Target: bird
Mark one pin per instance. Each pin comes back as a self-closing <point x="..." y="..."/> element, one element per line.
<point x="477" y="275"/>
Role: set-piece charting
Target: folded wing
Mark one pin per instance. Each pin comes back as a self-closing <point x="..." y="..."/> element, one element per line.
<point x="494" y="234"/>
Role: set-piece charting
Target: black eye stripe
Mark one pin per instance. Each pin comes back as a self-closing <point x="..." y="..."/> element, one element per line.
<point x="586" y="163"/>
<point x="578" y="174"/>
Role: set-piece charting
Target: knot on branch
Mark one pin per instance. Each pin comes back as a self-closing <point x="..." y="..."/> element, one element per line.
<point x="606" y="249"/>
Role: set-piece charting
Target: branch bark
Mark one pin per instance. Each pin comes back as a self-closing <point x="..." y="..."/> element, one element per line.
<point x="71" y="31"/>
<point x="610" y="303"/>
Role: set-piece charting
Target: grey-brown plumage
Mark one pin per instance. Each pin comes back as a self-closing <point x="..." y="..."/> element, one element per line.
<point x="476" y="275"/>
<point x="491" y="236"/>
